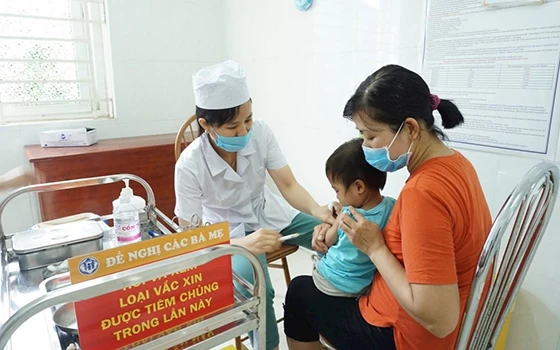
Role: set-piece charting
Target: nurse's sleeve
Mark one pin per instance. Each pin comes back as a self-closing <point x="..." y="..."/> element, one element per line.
<point x="188" y="194"/>
<point x="274" y="157"/>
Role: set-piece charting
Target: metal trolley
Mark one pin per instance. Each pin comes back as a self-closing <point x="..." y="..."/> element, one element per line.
<point x="28" y="300"/>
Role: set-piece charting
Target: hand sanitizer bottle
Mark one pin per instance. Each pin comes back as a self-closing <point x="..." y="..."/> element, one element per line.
<point x="126" y="219"/>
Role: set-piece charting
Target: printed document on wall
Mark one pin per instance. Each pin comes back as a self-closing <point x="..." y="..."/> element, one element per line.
<point x="500" y="66"/>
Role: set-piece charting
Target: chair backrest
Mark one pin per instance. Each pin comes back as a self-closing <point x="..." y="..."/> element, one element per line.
<point x="525" y="216"/>
<point x="182" y="138"/>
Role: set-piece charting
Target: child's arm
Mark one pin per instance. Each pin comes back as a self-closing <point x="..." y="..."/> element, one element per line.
<point x="331" y="237"/>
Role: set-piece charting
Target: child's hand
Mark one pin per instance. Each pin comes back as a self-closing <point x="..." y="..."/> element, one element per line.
<point x="319" y="235"/>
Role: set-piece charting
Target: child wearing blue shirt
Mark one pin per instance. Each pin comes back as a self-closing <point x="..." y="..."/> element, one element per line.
<point x="345" y="271"/>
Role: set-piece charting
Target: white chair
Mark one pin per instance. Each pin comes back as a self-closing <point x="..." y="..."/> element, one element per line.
<point x="525" y="216"/>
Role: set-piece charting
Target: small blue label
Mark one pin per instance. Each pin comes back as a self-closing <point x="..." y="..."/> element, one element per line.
<point x="88" y="266"/>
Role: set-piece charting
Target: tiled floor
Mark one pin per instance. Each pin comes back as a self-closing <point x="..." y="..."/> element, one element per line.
<point x="300" y="264"/>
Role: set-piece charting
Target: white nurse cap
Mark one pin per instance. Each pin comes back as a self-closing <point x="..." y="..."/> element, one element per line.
<point x="220" y="86"/>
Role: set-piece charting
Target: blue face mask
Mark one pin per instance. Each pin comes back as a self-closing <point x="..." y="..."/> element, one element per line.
<point x="233" y="143"/>
<point x="380" y="159"/>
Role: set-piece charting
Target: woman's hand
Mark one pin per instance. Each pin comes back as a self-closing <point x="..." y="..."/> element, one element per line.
<point x="364" y="235"/>
<point x="318" y="241"/>
<point x="261" y="241"/>
<point x="327" y="213"/>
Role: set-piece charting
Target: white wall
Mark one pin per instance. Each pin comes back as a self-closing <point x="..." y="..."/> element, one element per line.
<point x="156" y="46"/>
<point x="303" y="66"/>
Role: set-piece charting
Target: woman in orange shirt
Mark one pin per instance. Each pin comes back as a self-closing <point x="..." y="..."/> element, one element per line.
<point x="427" y="254"/>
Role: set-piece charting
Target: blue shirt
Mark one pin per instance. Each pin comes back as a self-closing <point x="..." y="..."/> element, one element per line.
<point x="345" y="266"/>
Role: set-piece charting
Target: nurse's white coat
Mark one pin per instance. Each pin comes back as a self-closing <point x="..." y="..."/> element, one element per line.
<point x="207" y="186"/>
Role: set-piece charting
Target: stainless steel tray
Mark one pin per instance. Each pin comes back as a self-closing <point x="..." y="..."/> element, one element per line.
<point x="41" y="239"/>
<point x="41" y="247"/>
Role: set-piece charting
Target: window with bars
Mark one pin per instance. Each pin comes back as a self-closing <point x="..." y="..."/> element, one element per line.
<point x="54" y="61"/>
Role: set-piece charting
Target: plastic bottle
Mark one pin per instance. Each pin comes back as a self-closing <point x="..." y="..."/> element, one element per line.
<point x="138" y="202"/>
<point x="126" y="219"/>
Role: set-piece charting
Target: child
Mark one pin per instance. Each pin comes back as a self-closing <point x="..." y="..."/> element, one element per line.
<point x="344" y="271"/>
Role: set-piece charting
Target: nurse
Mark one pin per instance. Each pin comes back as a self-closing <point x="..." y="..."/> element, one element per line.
<point x="220" y="176"/>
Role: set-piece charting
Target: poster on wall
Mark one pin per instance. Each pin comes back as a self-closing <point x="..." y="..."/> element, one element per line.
<point x="499" y="64"/>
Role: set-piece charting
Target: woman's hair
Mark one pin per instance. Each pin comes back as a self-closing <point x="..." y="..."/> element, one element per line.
<point x="348" y="164"/>
<point x="393" y="93"/>
<point x="215" y="117"/>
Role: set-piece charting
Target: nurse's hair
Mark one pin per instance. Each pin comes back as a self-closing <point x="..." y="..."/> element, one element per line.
<point x="393" y="93"/>
<point x="215" y="117"/>
<point x="348" y="164"/>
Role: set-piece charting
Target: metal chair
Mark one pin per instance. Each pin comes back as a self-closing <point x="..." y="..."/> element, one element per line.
<point x="525" y="215"/>
<point x="181" y="141"/>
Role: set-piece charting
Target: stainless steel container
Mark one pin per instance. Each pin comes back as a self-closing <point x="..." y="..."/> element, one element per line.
<point x="65" y="318"/>
<point x="42" y="247"/>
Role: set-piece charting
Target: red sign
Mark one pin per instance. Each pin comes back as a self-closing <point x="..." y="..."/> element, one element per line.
<point x="140" y="313"/>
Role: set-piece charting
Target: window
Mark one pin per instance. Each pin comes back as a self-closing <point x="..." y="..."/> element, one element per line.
<point x="54" y="60"/>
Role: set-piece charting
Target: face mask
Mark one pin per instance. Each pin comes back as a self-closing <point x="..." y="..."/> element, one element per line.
<point x="380" y="159"/>
<point x="233" y="143"/>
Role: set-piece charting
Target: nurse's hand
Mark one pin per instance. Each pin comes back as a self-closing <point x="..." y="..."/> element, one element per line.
<point x="318" y="241"/>
<point x="364" y="235"/>
<point x="261" y="241"/>
<point x="327" y="213"/>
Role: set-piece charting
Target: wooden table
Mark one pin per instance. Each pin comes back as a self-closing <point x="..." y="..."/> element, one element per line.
<point x="150" y="157"/>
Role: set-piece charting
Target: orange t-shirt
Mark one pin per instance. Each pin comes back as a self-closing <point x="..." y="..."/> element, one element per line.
<point x="437" y="229"/>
